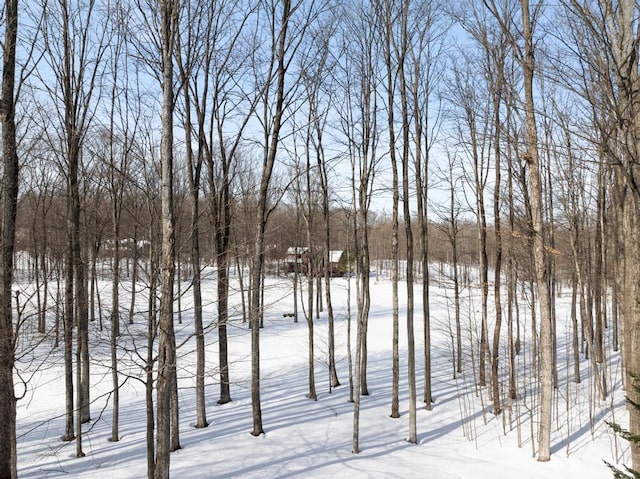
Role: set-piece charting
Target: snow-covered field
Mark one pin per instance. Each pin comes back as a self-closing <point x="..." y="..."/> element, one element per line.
<point x="459" y="438"/>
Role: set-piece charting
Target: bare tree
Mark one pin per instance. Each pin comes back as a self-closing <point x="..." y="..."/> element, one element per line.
<point x="473" y="131"/>
<point x="169" y="12"/>
<point x="119" y="144"/>
<point x="486" y="138"/>
<point x="284" y="39"/>
<point x="306" y="206"/>
<point x="233" y="101"/>
<point x="497" y="56"/>
<point x="316" y="89"/>
<point x="525" y="56"/>
<point x="357" y="78"/>
<point x="449" y="214"/>
<point x="189" y="47"/>
<point x="400" y="46"/>
<point x="147" y="214"/>
<point x="387" y="21"/>
<point x="425" y="72"/>
<point x="537" y="224"/>
<point x="74" y="46"/>
<point x="606" y="37"/>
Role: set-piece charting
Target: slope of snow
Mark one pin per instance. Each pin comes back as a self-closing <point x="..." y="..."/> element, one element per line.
<point x="458" y="438"/>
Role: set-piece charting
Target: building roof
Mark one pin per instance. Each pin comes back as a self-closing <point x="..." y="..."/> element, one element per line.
<point x="335" y="255"/>
<point x="296" y="250"/>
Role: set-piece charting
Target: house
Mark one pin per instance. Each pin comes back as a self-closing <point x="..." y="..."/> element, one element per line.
<point x="128" y="247"/>
<point x="338" y="263"/>
<point x="297" y="259"/>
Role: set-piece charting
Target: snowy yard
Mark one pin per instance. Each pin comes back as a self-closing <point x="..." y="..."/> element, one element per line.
<point x="459" y="438"/>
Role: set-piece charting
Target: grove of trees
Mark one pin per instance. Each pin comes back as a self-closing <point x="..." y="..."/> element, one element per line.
<point x="146" y="141"/>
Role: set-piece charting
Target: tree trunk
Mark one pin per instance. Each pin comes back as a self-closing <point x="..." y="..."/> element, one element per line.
<point x="167" y="346"/>
<point x="222" y="233"/>
<point x="311" y="350"/>
<point x="79" y="451"/>
<point x="311" y="271"/>
<point x="175" y="411"/>
<point x="395" y="187"/>
<point x="401" y="52"/>
<point x="322" y="167"/>
<point x="497" y="291"/>
<point x="484" y="270"/>
<point x="631" y="314"/>
<point x="357" y="379"/>
<point x="255" y="306"/>
<point x="195" y="168"/>
<point x="82" y="318"/>
<point x="254" y="319"/>
<point x="37" y="270"/>
<point x="349" y="349"/>
<point x="93" y="290"/>
<point x="152" y="324"/>
<point x="538" y="250"/>
<point x="422" y="188"/>
<point x="68" y="322"/>
<point x="223" y="308"/>
<point x="134" y="276"/>
<point x="365" y="293"/>
<point x="115" y="319"/>
<point x="9" y="196"/>
<point x="574" y="326"/>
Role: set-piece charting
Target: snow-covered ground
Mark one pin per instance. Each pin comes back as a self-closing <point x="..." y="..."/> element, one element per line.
<point x="459" y="438"/>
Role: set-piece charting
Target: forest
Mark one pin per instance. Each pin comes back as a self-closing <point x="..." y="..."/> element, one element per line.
<point x="162" y="159"/>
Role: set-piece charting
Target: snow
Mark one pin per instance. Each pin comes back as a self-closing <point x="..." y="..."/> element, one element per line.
<point x="335" y="256"/>
<point x="458" y="438"/>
